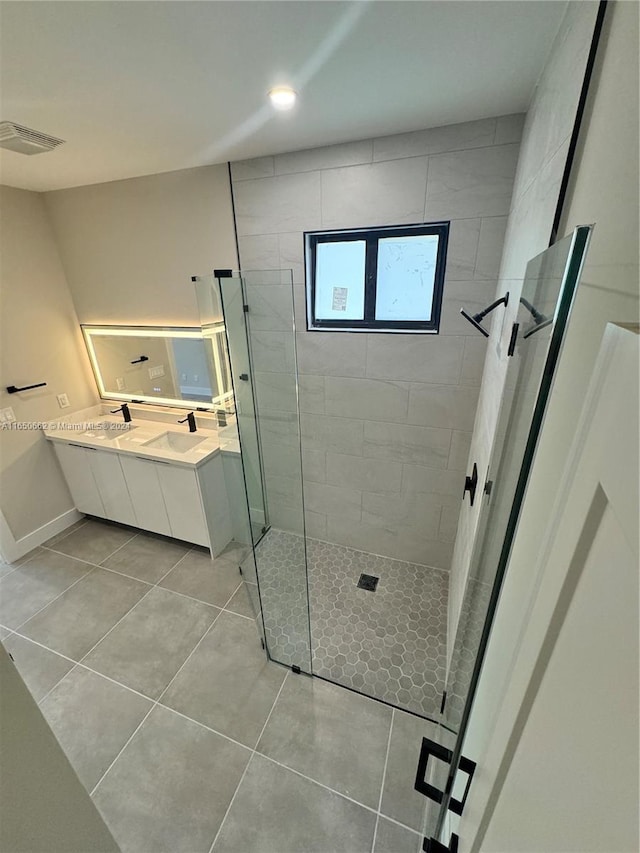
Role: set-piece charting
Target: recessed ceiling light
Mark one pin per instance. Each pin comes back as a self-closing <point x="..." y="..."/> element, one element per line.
<point x="283" y="97"/>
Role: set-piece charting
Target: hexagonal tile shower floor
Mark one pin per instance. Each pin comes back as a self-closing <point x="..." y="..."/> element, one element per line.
<point x="390" y="644"/>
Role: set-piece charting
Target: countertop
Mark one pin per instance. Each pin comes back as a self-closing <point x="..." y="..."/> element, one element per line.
<point x="94" y="428"/>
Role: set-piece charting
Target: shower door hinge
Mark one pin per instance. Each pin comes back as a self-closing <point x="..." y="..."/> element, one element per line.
<point x="295" y="668"/>
<point x="514" y="337"/>
<point x="442" y="704"/>
<point x="430" y="747"/>
<point x="430" y="845"/>
<point x="245" y="308"/>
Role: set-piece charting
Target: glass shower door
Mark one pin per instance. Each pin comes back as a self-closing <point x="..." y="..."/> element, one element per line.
<point x="281" y="554"/>
<point x="257" y="310"/>
<point x="547" y="296"/>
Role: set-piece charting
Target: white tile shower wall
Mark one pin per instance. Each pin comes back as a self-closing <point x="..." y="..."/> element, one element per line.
<point x="386" y="419"/>
<point x="543" y="152"/>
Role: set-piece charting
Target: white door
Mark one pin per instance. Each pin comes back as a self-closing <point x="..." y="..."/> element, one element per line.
<point x="75" y="463"/>
<point x="112" y="487"/>
<point x="143" y="484"/>
<point x="566" y="738"/>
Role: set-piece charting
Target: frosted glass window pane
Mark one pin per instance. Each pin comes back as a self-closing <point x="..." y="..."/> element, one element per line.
<point x="406" y="273"/>
<point x="340" y="280"/>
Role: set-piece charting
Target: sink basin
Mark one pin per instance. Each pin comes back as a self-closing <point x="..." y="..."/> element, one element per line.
<point x="108" y="433"/>
<point x="179" y="442"/>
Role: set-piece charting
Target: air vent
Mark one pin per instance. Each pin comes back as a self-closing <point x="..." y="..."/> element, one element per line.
<point x="15" y="137"/>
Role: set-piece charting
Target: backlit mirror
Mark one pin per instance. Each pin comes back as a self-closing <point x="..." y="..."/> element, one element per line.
<point x="166" y="366"/>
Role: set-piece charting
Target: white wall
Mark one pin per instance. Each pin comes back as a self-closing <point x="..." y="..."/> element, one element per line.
<point x="603" y="190"/>
<point x="129" y="248"/>
<point x="543" y="153"/>
<point x="40" y="342"/>
<point x="386" y="419"/>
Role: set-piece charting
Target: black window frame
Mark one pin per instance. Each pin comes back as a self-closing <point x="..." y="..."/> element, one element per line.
<point x="371" y="236"/>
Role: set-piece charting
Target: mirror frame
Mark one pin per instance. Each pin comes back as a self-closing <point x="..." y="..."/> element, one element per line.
<point x="224" y="401"/>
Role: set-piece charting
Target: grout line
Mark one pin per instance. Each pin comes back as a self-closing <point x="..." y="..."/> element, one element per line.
<point x="262" y="730"/>
<point x="235" y="793"/>
<point x="51" y="689"/>
<point x="253" y="753"/>
<point x="204" y="726"/>
<point x="188" y="658"/>
<point x="127" y="742"/>
<point x="133" y="607"/>
<point x="154" y="705"/>
<point x="384" y="774"/>
<point x="33" y="615"/>
<point x="115" y="625"/>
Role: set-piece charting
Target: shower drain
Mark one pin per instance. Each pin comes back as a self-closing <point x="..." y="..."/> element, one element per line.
<point x="369" y="582"/>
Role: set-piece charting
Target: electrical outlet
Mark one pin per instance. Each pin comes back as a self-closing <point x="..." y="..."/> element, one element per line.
<point x="63" y="401"/>
<point x="8" y="415"/>
<point x="155" y="372"/>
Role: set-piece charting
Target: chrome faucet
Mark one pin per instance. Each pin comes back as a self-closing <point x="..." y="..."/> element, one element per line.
<point x="191" y="418"/>
<point x="126" y="414"/>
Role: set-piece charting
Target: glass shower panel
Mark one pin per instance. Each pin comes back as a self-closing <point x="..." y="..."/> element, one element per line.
<point x="547" y="296"/>
<point x="261" y="302"/>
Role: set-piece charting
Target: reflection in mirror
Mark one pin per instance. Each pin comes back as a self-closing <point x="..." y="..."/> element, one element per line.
<point x="166" y="366"/>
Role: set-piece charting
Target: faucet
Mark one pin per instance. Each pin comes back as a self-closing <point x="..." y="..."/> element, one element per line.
<point x="126" y="414"/>
<point x="192" y="421"/>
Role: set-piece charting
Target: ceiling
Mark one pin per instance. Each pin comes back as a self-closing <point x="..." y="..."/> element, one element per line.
<point x="137" y="88"/>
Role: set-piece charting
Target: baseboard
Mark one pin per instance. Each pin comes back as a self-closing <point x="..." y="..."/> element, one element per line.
<point x="12" y="549"/>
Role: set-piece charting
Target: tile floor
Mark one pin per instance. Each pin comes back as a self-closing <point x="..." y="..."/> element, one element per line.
<point x="144" y="658"/>
<point x="389" y="644"/>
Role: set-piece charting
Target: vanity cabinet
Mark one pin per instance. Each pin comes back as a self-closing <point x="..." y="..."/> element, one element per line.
<point x="76" y="466"/>
<point x="185" y="502"/>
<point x="96" y="482"/>
<point x="142" y="480"/>
<point x="182" y="499"/>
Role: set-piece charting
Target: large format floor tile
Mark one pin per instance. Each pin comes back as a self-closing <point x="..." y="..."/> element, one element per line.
<point x="34" y="585"/>
<point x="277" y="811"/>
<point x="94" y="541"/>
<point x="399" y="799"/>
<point x="391" y="838"/>
<point x="92" y="718"/>
<point x="170" y="788"/>
<point x="75" y="622"/>
<point x="331" y="735"/>
<point x="40" y="669"/>
<point x="153" y="641"/>
<point x="197" y="575"/>
<point x="147" y="557"/>
<point x="228" y="683"/>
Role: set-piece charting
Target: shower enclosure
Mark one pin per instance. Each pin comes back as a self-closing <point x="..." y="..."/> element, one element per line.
<point x="370" y="623"/>
<point x="314" y="599"/>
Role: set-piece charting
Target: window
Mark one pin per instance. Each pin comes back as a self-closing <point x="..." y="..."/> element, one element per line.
<point x="380" y="279"/>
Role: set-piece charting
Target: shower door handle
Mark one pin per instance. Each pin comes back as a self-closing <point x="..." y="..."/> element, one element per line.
<point x="471" y="484"/>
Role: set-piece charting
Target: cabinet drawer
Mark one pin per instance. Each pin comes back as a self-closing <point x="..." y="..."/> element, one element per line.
<point x="143" y="483"/>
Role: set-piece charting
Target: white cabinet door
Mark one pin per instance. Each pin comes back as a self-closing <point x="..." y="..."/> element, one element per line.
<point x="112" y="487"/>
<point x="143" y="483"/>
<point x="75" y="463"/>
<point x="182" y="499"/>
